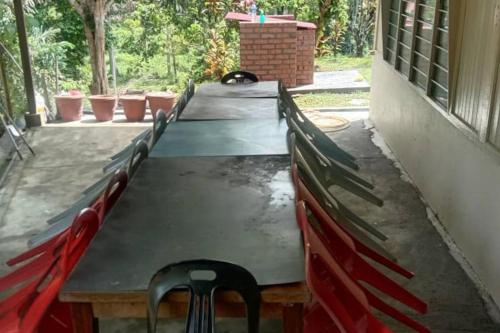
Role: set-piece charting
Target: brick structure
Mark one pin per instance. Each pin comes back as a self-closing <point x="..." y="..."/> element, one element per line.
<point x="305" y="56"/>
<point x="279" y="49"/>
<point x="270" y="50"/>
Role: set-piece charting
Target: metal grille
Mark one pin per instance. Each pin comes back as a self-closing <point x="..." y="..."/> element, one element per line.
<point x="494" y="136"/>
<point x="417" y="44"/>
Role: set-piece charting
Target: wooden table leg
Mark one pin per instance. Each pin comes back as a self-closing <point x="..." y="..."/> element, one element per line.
<point x="293" y="318"/>
<point x="83" y="318"/>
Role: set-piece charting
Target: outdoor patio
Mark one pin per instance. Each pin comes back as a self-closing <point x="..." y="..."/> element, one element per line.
<point x="55" y="178"/>
<point x="249" y="166"/>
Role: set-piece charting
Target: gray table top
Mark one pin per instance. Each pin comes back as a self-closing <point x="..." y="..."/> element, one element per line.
<point x="235" y="209"/>
<point x="223" y="138"/>
<point x="202" y="107"/>
<point x="263" y="89"/>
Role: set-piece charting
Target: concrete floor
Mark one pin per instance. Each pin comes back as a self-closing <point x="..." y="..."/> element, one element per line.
<point x="71" y="157"/>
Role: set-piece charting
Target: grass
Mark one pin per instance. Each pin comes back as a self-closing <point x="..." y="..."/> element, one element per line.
<point x="308" y="101"/>
<point x="339" y="63"/>
<point x="342" y="63"/>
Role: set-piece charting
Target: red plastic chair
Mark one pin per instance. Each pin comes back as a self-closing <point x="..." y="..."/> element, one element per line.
<point x="102" y="205"/>
<point x="34" y="307"/>
<point x="335" y="253"/>
<point x="317" y="320"/>
<point x="305" y="195"/>
<point x="343" y="301"/>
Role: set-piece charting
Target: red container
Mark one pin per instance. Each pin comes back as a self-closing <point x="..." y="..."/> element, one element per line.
<point x="134" y="107"/>
<point x="160" y="100"/>
<point x="70" y="107"/>
<point x="103" y="107"/>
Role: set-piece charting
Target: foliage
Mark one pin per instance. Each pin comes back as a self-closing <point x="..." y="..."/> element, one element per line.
<point x="159" y="44"/>
<point x="361" y="26"/>
<point x="8" y="38"/>
<point x="47" y="56"/>
<point x="59" y="15"/>
<point x="218" y="58"/>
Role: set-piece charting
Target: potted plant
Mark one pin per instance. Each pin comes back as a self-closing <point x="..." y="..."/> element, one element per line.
<point x="160" y="100"/>
<point x="70" y="106"/>
<point x="134" y="107"/>
<point x="103" y="106"/>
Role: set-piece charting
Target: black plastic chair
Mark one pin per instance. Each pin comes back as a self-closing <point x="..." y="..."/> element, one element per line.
<point x="181" y="104"/>
<point x="141" y="152"/>
<point x="190" y="89"/>
<point x="238" y="77"/>
<point x="321" y="141"/>
<point x="161" y="122"/>
<point x="201" y="313"/>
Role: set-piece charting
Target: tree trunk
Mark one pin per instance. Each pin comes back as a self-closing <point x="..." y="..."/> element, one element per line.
<point x="94" y="29"/>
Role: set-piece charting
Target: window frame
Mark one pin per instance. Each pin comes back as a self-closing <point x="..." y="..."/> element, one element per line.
<point x="412" y="69"/>
<point x="488" y="114"/>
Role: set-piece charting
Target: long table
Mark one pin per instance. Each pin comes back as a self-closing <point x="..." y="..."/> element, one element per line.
<point x="265" y="89"/>
<point x="218" y="108"/>
<point x="198" y="200"/>
<point x="223" y="138"/>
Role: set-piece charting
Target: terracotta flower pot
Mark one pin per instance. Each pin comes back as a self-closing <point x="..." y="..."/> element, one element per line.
<point x="160" y="100"/>
<point x="103" y="107"/>
<point x="134" y="107"/>
<point x="70" y="107"/>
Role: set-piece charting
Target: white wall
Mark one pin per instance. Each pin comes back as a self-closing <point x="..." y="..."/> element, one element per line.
<point x="457" y="175"/>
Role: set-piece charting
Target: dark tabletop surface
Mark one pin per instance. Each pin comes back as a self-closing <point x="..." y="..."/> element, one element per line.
<point x="236" y="209"/>
<point x="223" y="138"/>
<point x="262" y="89"/>
<point x="202" y="107"/>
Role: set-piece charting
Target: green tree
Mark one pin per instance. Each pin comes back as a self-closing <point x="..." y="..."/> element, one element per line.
<point x="361" y="26"/>
<point x="47" y="55"/>
<point x="60" y="16"/>
<point x="93" y="14"/>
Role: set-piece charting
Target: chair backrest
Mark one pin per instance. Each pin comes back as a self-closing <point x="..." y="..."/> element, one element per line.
<point x="201" y="314"/>
<point x="140" y="153"/>
<point x="80" y="235"/>
<point x="342" y="249"/>
<point x="332" y="248"/>
<point x="309" y="173"/>
<point x="144" y="136"/>
<point x="343" y="300"/>
<point x="109" y="197"/>
<point x="181" y="104"/>
<point x="359" y="240"/>
<point x="239" y="77"/>
<point x="161" y="122"/>
<point x="333" y="174"/>
<point x="27" y="306"/>
<point x="323" y="143"/>
<point x="190" y="89"/>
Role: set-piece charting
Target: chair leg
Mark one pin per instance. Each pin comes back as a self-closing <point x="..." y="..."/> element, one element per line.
<point x="83" y="318"/>
<point x="293" y="318"/>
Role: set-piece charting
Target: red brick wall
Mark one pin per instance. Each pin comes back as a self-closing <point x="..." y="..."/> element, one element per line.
<point x="305" y="56"/>
<point x="270" y="50"/>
